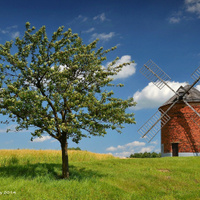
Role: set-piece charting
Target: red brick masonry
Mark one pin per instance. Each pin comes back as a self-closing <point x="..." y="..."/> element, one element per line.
<point x="183" y="128"/>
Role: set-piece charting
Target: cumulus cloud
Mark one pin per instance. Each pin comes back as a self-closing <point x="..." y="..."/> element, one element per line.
<point x="42" y="139"/>
<point x="111" y="148"/>
<point x="198" y="87"/>
<point x="127" y="70"/>
<point x="128" y="145"/>
<point x="152" y="97"/>
<point x="147" y="149"/>
<point x="131" y="148"/>
<point x="102" y="36"/>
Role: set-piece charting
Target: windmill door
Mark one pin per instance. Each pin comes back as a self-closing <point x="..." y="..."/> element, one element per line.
<point x="174" y="149"/>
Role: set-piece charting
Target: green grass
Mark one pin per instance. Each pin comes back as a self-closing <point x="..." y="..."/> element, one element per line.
<point x="34" y="175"/>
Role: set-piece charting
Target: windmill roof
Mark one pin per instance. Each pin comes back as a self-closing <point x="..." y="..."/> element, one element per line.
<point x="192" y="96"/>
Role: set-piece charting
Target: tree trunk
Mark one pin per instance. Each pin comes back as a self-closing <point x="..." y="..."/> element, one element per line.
<point x="65" y="165"/>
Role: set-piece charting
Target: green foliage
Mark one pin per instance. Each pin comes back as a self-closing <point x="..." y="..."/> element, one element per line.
<point x="146" y="155"/>
<point x="73" y="148"/>
<point x="59" y="86"/>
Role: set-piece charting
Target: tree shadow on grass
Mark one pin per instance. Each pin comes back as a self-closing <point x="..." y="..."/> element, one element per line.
<point x="46" y="171"/>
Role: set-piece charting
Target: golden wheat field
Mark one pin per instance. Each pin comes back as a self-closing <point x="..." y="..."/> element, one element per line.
<point x="51" y="155"/>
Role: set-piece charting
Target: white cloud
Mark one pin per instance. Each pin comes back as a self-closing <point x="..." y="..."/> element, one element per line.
<point x="81" y="18"/>
<point x="102" y="36"/>
<point x="9" y="31"/>
<point x="152" y="97"/>
<point x="128" y="145"/>
<point x="15" y="34"/>
<point x="124" y="154"/>
<point x="193" y="6"/>
<point x="147" y="149"/>
<point x="12" y="27"/>
<point x="130" y="148"/>
<point x="127" y="70"/>
<point x="154" y="142"/>
<point x="12" y="129"/>
<point x="174" y="20"/>
<point x="135" y="144"/>
<point x="176" y="17"/>
<point x="101" y="17"/>
<point x="42" y="139"/>
<point x="189" y="7"/>
<point x="4" y="31"/>
<point x="89" y="30"/>
<point x="198" y="87"/>
<point x="111" y="148"/>
<point x="61" y="67"/>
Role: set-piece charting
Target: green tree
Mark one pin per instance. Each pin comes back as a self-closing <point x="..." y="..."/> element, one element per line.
<point x="60" y="87"/>
<point x="145" y="155"/>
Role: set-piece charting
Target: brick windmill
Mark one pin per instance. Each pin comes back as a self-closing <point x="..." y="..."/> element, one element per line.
<point x="178" y="118"/>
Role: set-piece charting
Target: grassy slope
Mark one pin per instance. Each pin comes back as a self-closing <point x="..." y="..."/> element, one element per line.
<point x="35" y="175"/>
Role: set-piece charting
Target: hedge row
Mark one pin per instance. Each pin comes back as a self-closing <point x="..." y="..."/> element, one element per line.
<point x="146" y="155"/>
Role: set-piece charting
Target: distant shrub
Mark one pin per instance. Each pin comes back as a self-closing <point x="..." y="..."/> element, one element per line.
<point x="146" y="155"/>
<point x="73" y="148"/>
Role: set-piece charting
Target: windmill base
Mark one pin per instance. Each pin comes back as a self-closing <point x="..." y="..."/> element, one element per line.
<point x="182" y="154"/>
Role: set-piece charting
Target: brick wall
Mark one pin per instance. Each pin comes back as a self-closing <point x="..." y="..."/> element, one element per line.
<point x="183" y="128"/>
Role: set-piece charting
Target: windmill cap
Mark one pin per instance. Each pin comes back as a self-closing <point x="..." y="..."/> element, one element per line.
<point x="193" y="95"/>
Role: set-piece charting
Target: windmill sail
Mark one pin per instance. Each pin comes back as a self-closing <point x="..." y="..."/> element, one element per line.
<point x="156" y="75"/>
<point x="195" y="117"/>
<point x="153" y="125"/>
<point x="196" y="74"/>
<point x="196" y="77"/>
<point x="159" y="78"/>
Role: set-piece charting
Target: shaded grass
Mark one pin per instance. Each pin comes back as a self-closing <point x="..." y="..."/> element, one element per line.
<point x="98" y="178"/>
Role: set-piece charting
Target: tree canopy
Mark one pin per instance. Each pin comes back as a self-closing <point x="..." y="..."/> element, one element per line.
<point x="59" y="86"/>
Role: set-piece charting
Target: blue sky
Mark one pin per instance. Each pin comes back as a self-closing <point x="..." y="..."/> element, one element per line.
<point x="168" y="32"/>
